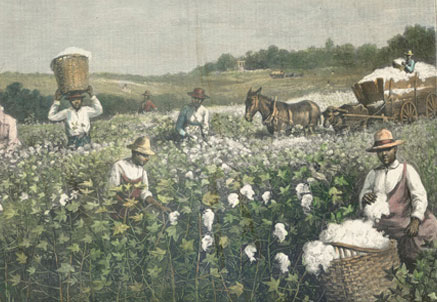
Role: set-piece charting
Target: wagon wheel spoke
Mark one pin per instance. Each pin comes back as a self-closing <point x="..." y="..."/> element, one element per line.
<point x="408" y="112"/>
<point x="431" y="105"/>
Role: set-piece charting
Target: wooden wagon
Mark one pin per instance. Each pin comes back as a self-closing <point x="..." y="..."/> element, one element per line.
<point x="402" y="101"/>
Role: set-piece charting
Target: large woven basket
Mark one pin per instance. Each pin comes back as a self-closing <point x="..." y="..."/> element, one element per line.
<point x="359" y="274"/>
<point x="71" y="72"/>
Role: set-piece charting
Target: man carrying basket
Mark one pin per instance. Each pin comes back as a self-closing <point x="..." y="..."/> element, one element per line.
<point x="77" y="117"/>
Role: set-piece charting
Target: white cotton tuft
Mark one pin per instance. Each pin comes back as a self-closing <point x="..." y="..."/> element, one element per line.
<point x="317" y="255"/>
<point x="75" y="51"/>
<point x="355" y="232"/>
<point x="63" y="200"/>
<point x="173" y="217"/>
<point x="306" y="202"/>
<point x="24" y="196"/>
<point x="380" y="207"/>
<point x="301" y="189"/>
<point x="280" y="232"/>
<point x="247" y="191"/>
<point x="250" y="251"/>
<point x="207" y="241"/>
<point x="225" y="167"/>
<point x="233" y="199"/>
<point x="284" y="262"/>
<point x="266" y="197"/>
<point x="189" y="175"/>
<point x="1" y="207"/>
<point x="208" y="219"/>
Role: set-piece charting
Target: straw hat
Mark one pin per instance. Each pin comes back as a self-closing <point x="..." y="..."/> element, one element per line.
<point x="142" y="145"/>
<point x="198" y="93"/>
<point x="147" y="93"/>
<point x="408" y="53"/>
<point x="383" y="140"/>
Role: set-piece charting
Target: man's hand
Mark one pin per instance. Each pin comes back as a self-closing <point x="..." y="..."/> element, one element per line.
<point x="152" y="201"/>
<point x="90" y="90"/>
<point x="413" y="227"/>
<point x="58" y="95"/>
<point x="369" y="198"/>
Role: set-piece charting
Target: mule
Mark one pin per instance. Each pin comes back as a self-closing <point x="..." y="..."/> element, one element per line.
<point x="278" y="116"/>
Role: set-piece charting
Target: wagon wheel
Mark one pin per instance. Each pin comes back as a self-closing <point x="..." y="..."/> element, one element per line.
<point x="431" y="105"/>
<point x="408" y="112"/>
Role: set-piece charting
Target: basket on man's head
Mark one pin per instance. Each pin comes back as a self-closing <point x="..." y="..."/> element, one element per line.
<point x="71" y="69"/>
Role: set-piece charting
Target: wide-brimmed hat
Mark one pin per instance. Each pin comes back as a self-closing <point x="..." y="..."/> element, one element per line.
<point x="198" y="93"/>
<point x="408" y="53"/>
<point x="142" y="145"/>
<point x="147" y="93"/>
<point x="75" y="95"/>
<point x="383" y="140"/>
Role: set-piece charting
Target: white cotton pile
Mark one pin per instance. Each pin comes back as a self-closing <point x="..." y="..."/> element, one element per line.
<point x="280" y="232"/>
<point x="74" y="51"/>
<point x="233" y="199"/>
<point x="208" y="219"/>
<point x="283" y="261"/>
<point x="250" y="251"/>
<point x="207" y="241"/>
<point x="316" y="255"/>
<point x="375" y="210"/>
<point x="355" y="232"/>
<point x="423" y="71"/>
<point x="173" y="217"/>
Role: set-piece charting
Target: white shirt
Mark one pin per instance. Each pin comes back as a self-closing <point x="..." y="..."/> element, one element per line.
<point x="201" y="116"/>
<point x="131" y="171"/>
<point x="384" y="181"/>
<point x="76" y="122"/>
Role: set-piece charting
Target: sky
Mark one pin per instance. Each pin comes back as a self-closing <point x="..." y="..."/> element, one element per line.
<point x="153" y="37"/>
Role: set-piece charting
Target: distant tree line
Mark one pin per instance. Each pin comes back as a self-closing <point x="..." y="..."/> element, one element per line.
<point x="419" y="39"/>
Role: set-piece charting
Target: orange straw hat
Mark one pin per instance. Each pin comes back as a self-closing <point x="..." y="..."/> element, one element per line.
<point x="383" y="140"/>
<point x="142" y="145"/>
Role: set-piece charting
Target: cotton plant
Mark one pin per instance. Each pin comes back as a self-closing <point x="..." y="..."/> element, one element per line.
<point x="283" y="261"/>
<point x="207" y="241"/>
<point x="247" y="191"/>
<point x="250" y="251"/>
<point x="173" y="217"/>
<point x="280" y="232"/>
<point x="208" y="219"/>
<point x="233" y="200"/>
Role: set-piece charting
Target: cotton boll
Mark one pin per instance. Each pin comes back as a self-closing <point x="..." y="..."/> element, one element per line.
<point x="247" y="191"/>
<point x="380" y="207"/>
<point x="208" y="219"/>
<point x="284" y="262"/>
<point x="207" y="241"/>
<point x="173" y="217"/>
<point x="280" y="232"/>
<point x="266" y="197"/>
<point x="301" y="189"/>
<point x="63" y="200"/>
<point x="306" y="202"/>
<point x="189" y="175"/>
<point x="250" y="251"/>
<point x="1" y="207"/>
<point x="233" y="199"/>
<point x="317" y="255"/>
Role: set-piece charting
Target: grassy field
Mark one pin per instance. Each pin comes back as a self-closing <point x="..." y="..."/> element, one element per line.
<point x="223" y="88"/>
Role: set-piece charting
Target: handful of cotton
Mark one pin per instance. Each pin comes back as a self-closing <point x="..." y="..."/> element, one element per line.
<point x="375" y="210"/>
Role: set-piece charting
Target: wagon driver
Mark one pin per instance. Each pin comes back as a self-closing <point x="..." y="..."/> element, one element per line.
<point x="409" y="222"/>
<point x="409" y="63"/>
<point x="77" y="117"/>
<point x="193" y="114"/>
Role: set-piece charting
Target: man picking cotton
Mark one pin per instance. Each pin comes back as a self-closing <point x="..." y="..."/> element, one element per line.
<point x="409" y="221"/>
<point x="77" y="117"/>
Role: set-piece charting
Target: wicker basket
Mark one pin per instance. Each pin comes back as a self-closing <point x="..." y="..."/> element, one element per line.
<point x="360" y="275"/>
<point x="71" y="72"/>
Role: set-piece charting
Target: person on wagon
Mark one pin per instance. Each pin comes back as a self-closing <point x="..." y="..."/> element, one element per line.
<point x="409" y="63"/>
<point x="77" y="117"/>
<point x="409" y="222"/>
<point x="131" y="171"/>
<point x="147" y="105"/>
<point x="193" y="114"/>
<point x="8" y="132"/>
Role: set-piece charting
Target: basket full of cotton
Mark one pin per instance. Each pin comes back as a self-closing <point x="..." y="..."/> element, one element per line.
<point x="351" y="258"/>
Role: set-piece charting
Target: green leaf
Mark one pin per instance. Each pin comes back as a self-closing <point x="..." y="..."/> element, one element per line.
<point x="433" y="296"/>
<point x="154" y="272"/>
<point x="187" y="245"/>
<point x="273" y="284"/>
<point x="224" y="241"/>
<point x="73" y="206"/>
<point x="236" y="289"/>
<point x="42" y="245"/>
<point x="74" y="248"/>
<point x="21" y="258"/>
<point x="66" y="268"/>
<point x="164" y="199"/>
<point x="172" y="232"/>
<point x="210" y="199"/>
<point x="15" y="279"/>
<point x="31" y="270"/>
<point x="87" y="238"/>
